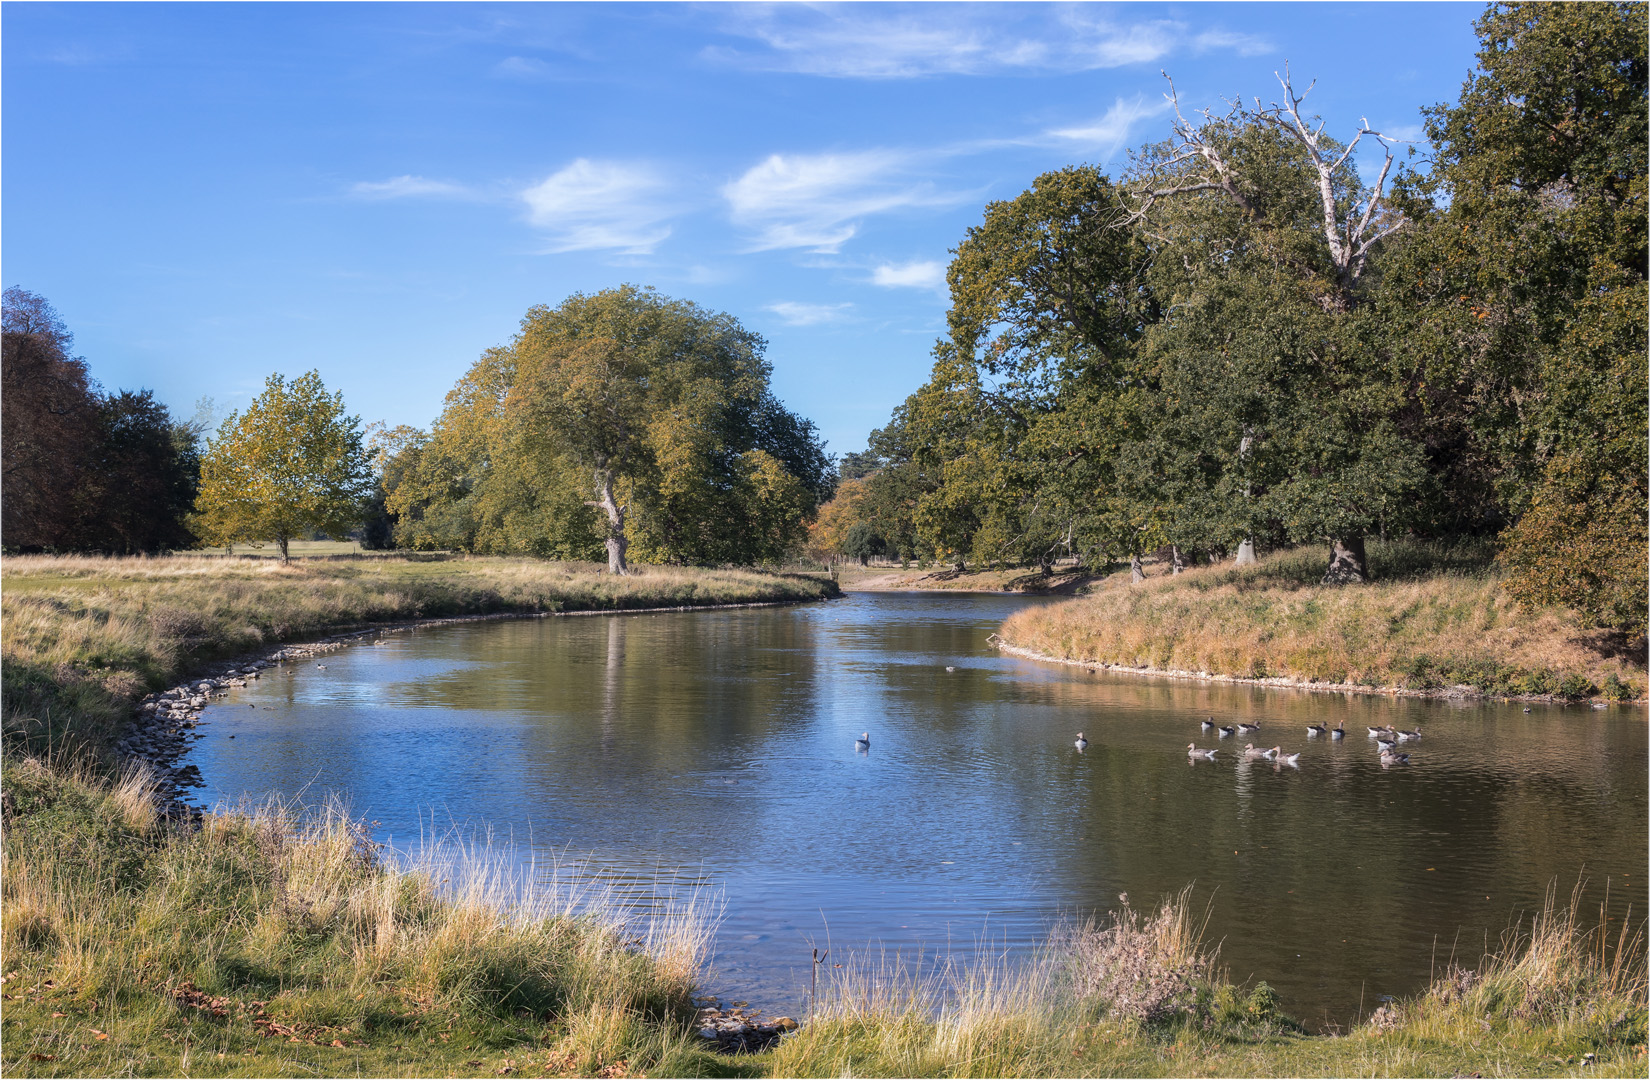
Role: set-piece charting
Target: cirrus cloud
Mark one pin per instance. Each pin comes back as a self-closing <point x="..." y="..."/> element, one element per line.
<point x="601" y="205"/>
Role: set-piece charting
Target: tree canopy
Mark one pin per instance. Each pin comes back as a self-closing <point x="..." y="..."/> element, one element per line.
<point x="85" y="470"/>
<point x="291" y="464"/>
<point x="1243" y="339"/>
<point x="622" y="423"/>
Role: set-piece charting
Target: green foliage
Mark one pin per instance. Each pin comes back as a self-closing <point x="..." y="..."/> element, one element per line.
<point x="625" y="419"/>
<point x="291" y="463"/>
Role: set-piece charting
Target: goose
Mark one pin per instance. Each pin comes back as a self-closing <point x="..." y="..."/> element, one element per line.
<point x="1314" y="730"/>
<point x="1194" y="753"/>
<point x="1386" y="745"/>
<point x="950" y="667"/>
<point x="1209" y="724"/>
<point x="1293" y="760"/>
<point x="1390" y="758"/>
<point x="1247" y="728"/>
<point x="1082" y="743"/>
<point x="1249" y="751"/>
<point x="863" y="742"/>
<point x="1376" y="732"/>
<point x="1406" y="736"/>
<point x="1272" y="753"/>
<point x="1227" y="732"/>
<point x="1339" y="733"/>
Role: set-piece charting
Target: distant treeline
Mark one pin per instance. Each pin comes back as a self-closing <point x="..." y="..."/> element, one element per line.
<point x="1239" y="339"/>
<point x="85" y="470"/>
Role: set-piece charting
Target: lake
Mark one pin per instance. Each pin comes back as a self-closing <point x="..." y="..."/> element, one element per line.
<point x="717" y="749"/>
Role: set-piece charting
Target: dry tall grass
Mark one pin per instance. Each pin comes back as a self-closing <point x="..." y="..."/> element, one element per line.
<point x="1414" y="630"/>
<point x="81" y="636"/>
<point x="1142" y="996"/>
<point x="265" y="917"/>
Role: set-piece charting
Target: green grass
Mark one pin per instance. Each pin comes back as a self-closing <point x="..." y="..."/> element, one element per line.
<point x="1434" y="618"/>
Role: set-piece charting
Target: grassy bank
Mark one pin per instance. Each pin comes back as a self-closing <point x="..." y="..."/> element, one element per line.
<point x="1434" y="619"/>
<point x="263" y="945"/>
<point x="1144" y="996"/>
<point x="82" y="638"/>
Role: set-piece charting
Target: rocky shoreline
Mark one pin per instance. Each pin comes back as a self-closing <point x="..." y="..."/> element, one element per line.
<point x="739" y="1028"/>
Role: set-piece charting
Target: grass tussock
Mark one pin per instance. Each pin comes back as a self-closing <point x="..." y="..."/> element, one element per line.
<point x="133" y="945"/>
<point x="1434" y="618"/>
<point x="81" y="637"/>
<point x="1142" y="995"/>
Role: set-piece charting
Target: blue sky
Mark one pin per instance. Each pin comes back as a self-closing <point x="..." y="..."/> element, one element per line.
<point x="210" y="193"/>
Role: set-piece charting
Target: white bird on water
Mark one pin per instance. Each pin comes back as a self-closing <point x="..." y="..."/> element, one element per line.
<point x="863" y="742"/>
<point x="1081" y="743"/>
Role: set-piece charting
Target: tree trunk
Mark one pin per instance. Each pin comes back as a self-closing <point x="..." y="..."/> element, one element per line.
<point x="616" y="542"/>
<point x="1137" y="572"/>
<point x="1176" y="558"/>
<point x="1347" y="563"/>
<point x="281" y="542"/>
<point x="1246" y="553"/>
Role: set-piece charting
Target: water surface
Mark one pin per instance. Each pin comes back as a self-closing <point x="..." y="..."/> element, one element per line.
<point x="717" y="748"/>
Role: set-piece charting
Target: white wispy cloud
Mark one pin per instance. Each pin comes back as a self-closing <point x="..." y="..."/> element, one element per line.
<point x="1109" y="132"/>
<point x="1242" y="44"/>
<point x="816" y="201"/>
<point x="793" y="313"/>
<point x="858" y="41"/>
<point x="522" y="67"/>
<point x="601" y="205"/>
<point x="409" y="187"/>
<point x="912" y="275"/>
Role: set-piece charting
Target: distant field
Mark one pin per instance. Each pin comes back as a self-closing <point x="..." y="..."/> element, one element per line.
<point x="268" y="550"/>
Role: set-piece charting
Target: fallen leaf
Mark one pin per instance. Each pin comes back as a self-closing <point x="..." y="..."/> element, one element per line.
<point x="59" y="1016"/>
<point x="339" y="1043"/>
<point x="42" y="1057"/>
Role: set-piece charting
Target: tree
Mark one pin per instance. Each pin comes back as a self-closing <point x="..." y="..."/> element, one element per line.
<point x="48" y="418"/>
<point x="291" y="463"/>
<point x="143" y="478"/>
<point x="1526" y="293"/>
<point x="665" y="408"/>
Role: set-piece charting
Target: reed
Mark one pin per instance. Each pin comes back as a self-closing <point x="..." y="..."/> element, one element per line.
<point x="1440" y="619"/>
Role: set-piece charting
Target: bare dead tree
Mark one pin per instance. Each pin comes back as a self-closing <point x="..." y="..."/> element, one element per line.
<point x="1198" y="163"/>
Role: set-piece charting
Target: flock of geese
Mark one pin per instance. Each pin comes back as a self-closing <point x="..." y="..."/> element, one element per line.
<point x="1386" y="742"/>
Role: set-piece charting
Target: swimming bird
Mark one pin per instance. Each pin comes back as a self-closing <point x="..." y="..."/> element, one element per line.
<point x="1375" y="732"/>
<point x="863" y="742"/>
<point x="1386" y="745"/>
<point x="1249" y="751"/>
<point x="1209" y="724"/>
<point x="1272" y="753"/>
<point x="1390" y="758"/>
<point x="1289" y="759"/>
<point x="1193" y="752"/>
<point x="1082" y="743"/>
<point x="1227" y="732"/>
<point x="1406" y="736"/>
<point x="1339" y="733"/>
<point x="1247" y="728"/>
<point x="1526" y="710"/>
<point x="948" y="667"/>
<point x="1314" y="730"/>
